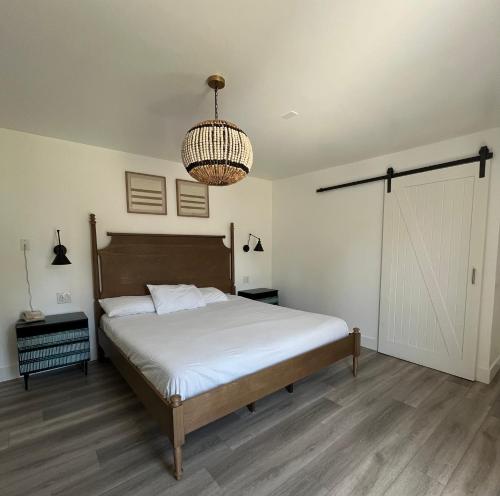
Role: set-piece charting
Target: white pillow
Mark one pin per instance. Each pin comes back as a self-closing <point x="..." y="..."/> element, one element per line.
<point x="172" y="298"/>
<point x="212" y="295"/>
<point x="127" y="305"/>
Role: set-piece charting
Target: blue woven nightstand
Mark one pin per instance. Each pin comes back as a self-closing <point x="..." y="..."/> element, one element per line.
<point x="57" y="341"/>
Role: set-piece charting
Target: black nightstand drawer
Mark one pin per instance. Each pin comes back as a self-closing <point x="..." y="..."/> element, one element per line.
<point x="45" y="340"/>
<point x="52" y="323"/>
<point x="55" y="356"/>
<point x="273" y="300"/>
<point x="265" y="295"/>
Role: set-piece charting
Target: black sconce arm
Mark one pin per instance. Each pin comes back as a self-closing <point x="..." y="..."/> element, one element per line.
<point x="258" y="245"/>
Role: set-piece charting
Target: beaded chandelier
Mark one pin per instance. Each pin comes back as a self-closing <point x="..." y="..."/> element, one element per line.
<point x="217" y="152"/>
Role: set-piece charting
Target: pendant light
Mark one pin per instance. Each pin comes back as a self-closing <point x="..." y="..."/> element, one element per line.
<point x="217" y="152"/>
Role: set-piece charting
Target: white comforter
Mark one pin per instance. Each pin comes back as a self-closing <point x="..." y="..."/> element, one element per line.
<point x="192" y="351"/>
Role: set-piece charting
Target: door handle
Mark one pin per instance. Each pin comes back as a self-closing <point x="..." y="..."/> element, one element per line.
<point x="473" y="275"/>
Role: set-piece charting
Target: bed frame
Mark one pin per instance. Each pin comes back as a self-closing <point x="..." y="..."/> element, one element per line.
<point x="128" y="263"/>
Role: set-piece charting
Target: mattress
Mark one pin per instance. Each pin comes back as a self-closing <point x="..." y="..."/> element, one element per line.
<point x="192" y="351"/>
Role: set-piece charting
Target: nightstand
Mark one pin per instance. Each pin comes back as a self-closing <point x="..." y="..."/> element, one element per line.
<point x="57" y="341"/>
<point x="265" y="295"/>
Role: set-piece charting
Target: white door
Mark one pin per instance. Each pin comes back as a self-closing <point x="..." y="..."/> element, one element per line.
<point x="434" y="229"/>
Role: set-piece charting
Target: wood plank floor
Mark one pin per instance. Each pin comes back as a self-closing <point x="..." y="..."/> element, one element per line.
<point x="397" y="429"/>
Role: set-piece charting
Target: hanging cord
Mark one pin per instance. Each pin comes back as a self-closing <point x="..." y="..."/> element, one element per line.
<point x="216" y="104"/>
<point x="27" y="276"/>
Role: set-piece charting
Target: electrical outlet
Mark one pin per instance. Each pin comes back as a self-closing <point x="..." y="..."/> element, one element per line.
<point x="63" y="298"/>
<point x="25" y="244"/>
<point x="246" y="279"/>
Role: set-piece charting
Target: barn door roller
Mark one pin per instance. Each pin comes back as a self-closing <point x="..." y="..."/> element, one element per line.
<point x="484" y="154"/>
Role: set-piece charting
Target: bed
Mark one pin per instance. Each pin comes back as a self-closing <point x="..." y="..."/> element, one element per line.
<point x="192" y="367"/>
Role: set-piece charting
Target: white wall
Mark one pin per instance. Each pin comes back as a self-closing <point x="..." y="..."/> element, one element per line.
<point x="327" y="247"/>
<point x="47" y="183"/>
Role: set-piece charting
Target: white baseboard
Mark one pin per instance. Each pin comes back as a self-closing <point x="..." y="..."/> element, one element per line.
<point x="487" y="375"/>
<point x="9" y="372"/>
<point x="483" y="375"/>
<point x="369" y="342"/>
<point x="495" y="367"/>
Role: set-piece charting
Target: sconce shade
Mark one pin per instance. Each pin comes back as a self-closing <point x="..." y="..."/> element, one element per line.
<point x="61" y="258"/>
<point x="258" y="246"/>
<point x="60" y="251"/>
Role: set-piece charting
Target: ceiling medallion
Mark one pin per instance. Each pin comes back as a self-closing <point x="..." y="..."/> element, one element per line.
<point x="217" y="152"/>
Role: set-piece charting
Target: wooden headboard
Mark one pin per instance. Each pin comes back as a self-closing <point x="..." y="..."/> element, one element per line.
<point x="130" y="261"/>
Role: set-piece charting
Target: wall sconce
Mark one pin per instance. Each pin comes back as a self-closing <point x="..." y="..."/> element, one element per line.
<point x="60" y="251"/>
<point x="258" y="245"/>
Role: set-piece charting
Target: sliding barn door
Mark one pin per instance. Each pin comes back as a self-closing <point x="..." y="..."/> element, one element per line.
<point x="434" y="229"/>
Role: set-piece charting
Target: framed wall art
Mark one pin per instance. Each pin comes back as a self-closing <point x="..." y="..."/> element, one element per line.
<point x="192" y="199"/>
<point x="146" y="193"/>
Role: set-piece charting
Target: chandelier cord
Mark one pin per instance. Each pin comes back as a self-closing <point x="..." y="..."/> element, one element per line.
<point x="216" y="104"/>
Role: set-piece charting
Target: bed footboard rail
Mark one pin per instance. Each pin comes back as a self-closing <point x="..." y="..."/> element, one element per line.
<point x="216" y="403"/>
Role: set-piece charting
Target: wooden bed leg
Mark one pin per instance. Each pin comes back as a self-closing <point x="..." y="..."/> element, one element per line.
<point x="178" y="462"/>
<point x="178" y="433"/>
<point x="251" y="407"/>
<point x="289" y="388"/>
<point x="356" y="351"/>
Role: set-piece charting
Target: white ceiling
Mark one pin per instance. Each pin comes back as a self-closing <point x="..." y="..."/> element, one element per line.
<point x="367" y="77"/>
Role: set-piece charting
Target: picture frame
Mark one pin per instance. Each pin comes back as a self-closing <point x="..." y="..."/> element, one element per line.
<point x="192" y="199"/>
<point x="146" y="193"/>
